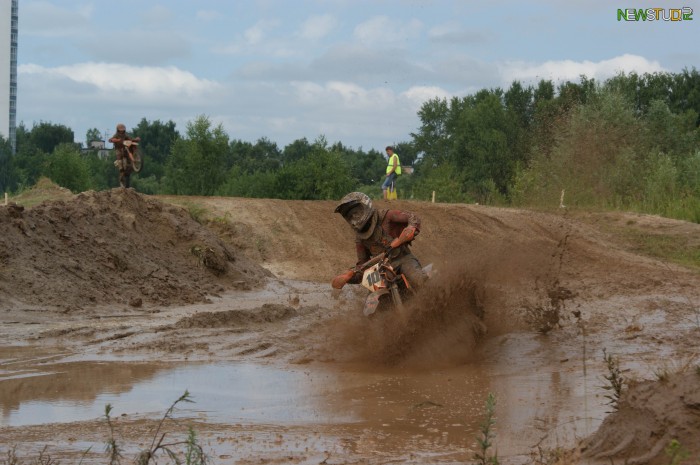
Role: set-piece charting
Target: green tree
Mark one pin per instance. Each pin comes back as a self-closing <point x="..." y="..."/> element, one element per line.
<point x="28" y="165"/>
<point x="8" y="177"/>
<point x="445" y="180"/>
<point x="322" y="175"/>
<point x="547" y="115"/>
<point x="66" y="168"/>
<point x="197" y="165"/>
<point x="260" y="184"/>
<point x="433" y="136"/>
<point x="264" y="155"/>
<point x="297" y="150"/>
<point x="91" y="135"/>
<point x="671" y="133"/>
<point x="685" y="95"/>
<point x="157" y="139"/>
<point x="103" y="174"/>
<point x="481" y="147"/>
<point x="597" y="158"/>
<point x="408" y="153"/>
<point x="365" y="168"/>
<point x="520" y="109"/>
<point x="47" y="136"/>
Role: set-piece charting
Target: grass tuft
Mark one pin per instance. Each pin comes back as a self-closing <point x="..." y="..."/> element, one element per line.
<point x="484" y="441"/>
<point x="676" y="452"/>
<point x="197" y="212"/>
<point x="615" y="381"/>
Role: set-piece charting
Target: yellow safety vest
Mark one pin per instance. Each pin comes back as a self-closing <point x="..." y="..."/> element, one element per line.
<point x="398" y="164"/>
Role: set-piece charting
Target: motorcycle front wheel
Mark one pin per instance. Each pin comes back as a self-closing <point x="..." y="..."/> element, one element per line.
<point x="396" y="298"/>
<point x="138" y="161"/>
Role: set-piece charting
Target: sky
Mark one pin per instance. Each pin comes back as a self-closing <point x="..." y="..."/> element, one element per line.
<point x="352" y="71"/>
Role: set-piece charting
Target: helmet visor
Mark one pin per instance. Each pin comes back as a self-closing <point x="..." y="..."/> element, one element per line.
<point x="357" y="217"/>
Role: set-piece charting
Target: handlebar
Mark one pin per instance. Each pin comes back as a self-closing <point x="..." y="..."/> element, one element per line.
<point x="387" y="254"/>
<point x="372" y="261"/>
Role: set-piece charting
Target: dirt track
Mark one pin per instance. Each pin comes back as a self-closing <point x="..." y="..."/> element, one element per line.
<point x="115" y="274"/>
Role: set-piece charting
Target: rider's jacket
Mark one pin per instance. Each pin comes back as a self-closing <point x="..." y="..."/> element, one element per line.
<point x="388" y="227"/>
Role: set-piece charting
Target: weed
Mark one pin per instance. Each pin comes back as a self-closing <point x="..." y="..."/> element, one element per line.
<point x="662" y="374"/>
<point x="42" y="459"/>
<point x="11" y="457"/>
<point x="43" y="190"/>
<point x="677" y="365"/>
<point x="615" y="381"/>
<point x="112" y="447"/>
<point x="197" y="212"/>
<point x="187" y="452"/>
<point x="487" y="435"/>
<point x="545" y="456"/>
<point x="193" y="451"/>
<point x="194" y="454"/>
<point x="222" y="220"/>
<point x="676" y="452"/>
<point x="680" y="250"/>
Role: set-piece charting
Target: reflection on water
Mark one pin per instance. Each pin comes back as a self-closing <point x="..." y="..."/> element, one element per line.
<point x="66" y="392"/>
<point x="536" y="391"/>
<point x="223" y="392"/>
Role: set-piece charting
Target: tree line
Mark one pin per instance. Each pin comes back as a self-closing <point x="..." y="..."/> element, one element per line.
<point x="629" y="142"/>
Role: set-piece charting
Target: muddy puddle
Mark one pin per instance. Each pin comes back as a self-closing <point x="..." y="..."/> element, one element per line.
<point x="540" y="402"/>
<point x="258" y="393"/>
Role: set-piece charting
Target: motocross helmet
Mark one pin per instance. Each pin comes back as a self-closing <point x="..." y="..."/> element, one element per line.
<point x="121" y="127"/>
<point x="358" y="211"/>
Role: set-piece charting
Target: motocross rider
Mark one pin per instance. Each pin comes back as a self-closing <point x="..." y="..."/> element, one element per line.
<point x="122" y="153"/>
<point x="378" y="231"/>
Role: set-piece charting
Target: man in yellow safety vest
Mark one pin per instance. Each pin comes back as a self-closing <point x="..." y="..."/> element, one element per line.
<point x="393" y="169"/>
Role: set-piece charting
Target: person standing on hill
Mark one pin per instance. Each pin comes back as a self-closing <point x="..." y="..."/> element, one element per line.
<point x="393" y="169"/>
<point x="125" y="160"/>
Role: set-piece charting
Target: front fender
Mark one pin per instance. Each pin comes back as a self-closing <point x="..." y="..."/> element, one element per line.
<point x="372" y="301"/>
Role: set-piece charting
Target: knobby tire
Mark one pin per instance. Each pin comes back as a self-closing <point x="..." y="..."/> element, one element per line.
<point x="138" y="161"/>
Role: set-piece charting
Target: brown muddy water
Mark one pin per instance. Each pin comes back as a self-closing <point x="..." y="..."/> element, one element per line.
<point x="541" y="400"/>
<point x="548" y="392"/>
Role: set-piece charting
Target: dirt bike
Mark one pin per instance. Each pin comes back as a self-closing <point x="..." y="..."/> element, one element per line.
<point x="388" y="288"/>
<point x="133" y="148"/>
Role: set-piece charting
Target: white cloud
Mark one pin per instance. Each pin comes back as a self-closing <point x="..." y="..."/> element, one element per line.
<point x="343" y="95"/>
<point x="258" y="32"/>
<point x="317" y="27"/>
<point x="137" y="81"/>
<point x="571" y="70"/>
<point x="382" y="30"/>
<point x="455" y="33"/>
<point x="418" y="95"/>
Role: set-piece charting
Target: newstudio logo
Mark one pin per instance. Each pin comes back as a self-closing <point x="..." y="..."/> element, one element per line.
<point x="655" y="14"/>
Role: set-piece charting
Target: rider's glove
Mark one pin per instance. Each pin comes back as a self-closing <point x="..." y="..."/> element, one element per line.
<point x="342" y="279"/>
<point x="407" y="235"/>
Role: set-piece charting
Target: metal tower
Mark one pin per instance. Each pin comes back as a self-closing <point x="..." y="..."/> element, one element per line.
<point x="8" y="70"/>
